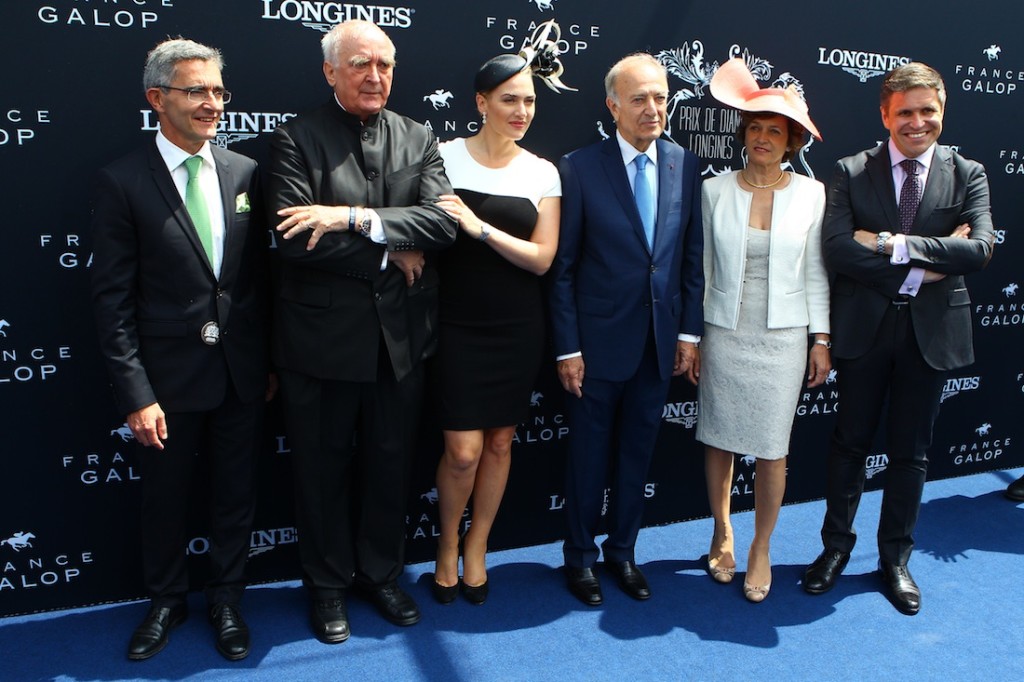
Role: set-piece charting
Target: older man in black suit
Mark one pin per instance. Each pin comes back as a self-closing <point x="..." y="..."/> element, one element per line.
<point x="179" y="291"/>
<point x="905" y="222"/>
<point x="354" y="188"/>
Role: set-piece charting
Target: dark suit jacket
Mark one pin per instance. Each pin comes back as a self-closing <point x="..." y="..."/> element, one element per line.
<point x="606" y="283"/>
<point x="334" y="302"/>
<point x="153" y="288"/>
<point x="862" y="196"/>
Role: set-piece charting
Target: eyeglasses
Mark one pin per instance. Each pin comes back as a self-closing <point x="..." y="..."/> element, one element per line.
<point x="197" y="94"/>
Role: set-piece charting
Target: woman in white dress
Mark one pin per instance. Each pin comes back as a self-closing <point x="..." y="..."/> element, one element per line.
<point x="766" y="292"/>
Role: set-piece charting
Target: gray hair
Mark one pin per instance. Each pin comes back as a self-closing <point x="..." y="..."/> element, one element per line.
<point x="613" y="73"/>
<point x="910" y="76"/>
<point x="163" y="59"/>
<point x="333" y="42"/>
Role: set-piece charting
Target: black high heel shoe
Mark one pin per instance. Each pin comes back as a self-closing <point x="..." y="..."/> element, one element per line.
<point x="475" y="594"/>
<point x="444" y="594"/>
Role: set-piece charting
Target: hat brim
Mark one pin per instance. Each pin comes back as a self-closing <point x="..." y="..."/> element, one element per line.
<point x="734" y="86"/>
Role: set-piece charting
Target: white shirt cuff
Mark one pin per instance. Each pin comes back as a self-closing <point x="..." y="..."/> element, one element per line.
<point x="689" y="338"/>
<point x="567" y="356"/>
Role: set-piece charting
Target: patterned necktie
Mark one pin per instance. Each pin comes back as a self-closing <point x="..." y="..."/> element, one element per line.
<point x="910" y="195"/>
<point x="644" y="198"/>
<point x="195" y="204"/>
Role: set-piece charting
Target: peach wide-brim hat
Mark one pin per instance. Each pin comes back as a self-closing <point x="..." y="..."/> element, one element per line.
<point x="733" y="85"/>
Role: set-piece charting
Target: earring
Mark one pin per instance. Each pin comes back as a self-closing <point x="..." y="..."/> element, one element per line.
<point x="483" y="118"/>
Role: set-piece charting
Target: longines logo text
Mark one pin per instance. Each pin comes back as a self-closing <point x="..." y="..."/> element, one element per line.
<point x="321" y="16"/>
<point x="955" y="385"/>
<point x="131" y="14"/>
<point x="875" y="464"/>
<point x="18" y="126"/>
<point x="557" y="502"/>
<point x="986" y="448"/>
<point x="684" y="413"/>
<point x="28" y="569"/>
<point x="863" y="65"/>
<point x="233" y="126"/>
<point x="260" y="541"/>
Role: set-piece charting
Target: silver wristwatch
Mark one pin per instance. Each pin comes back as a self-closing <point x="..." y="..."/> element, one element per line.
<point x="883" y="237"/>
<point x="363" y="227"/>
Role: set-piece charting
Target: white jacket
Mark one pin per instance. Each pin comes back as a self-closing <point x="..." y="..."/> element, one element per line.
<point x="797" y="280"/>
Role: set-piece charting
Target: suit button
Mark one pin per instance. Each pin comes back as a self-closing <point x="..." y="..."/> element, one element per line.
<point x="220" y="293"/>
<point x="372" y="175"/>
<point x="366" y="135"/>
<point x="377" y="296"/>
<point x="654" y="269"/>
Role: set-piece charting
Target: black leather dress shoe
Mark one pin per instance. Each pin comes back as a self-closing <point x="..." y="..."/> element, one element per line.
<point x="393" y="603"/>
<point x="232" y="632"/>
<point x="822" y="574"/>
<point x="584" y="585"/>
<point x="900" y="587"/>
<point x="329" y="618"/>
<point x="630" y="579"/>
<point x="1015" y="491"/>
<point x="151" y="635"/>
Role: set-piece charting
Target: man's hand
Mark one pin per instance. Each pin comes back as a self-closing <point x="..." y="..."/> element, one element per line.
<point x="687" y="361"/>
<point x="318" y="219"/>
<point x="570" y="373"/>
<point x="272" y="385"/>
<point x="149" y="426"/>
<point x="410" y="263"/>
<point x="868" y="240"/>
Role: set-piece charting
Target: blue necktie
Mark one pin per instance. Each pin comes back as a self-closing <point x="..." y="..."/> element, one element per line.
<point x="644" y="198"/>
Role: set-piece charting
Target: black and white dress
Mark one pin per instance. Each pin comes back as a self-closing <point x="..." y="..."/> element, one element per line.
<point x="491" y="335"/>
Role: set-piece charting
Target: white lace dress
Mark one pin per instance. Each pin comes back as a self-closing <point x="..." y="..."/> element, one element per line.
<point x="751" y="377"/>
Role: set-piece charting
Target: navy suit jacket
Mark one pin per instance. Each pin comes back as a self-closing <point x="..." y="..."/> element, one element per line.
<point x="154" y="289"/>
<point x="606" y="283"/>
<point x="862" y="196"/>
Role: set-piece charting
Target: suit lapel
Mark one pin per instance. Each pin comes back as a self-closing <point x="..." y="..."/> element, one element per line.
<point x="879" y="169"/>
<point x="175" y="202"/>
<point x="225" y="174"/>
<point x="619" y="182"/>
<point x="670" y="171"/>
<point x="939" y="178"/>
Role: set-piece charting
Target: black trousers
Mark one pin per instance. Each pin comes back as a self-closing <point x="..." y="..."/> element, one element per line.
<point x="893" y="367"/>
<point x="614" y="427"/>
<point x="352" y="449"/>
<point x="226" y="439"/>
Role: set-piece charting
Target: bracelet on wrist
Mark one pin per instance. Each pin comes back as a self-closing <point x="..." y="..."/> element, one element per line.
<point x="351" y="218"/>
<point x="484" y="232"/>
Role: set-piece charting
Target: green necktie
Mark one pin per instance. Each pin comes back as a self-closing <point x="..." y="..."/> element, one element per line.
<point x="195" y="204"/>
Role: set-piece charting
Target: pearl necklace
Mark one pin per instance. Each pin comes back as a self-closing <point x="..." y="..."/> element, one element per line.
<point x="770" y="184"/>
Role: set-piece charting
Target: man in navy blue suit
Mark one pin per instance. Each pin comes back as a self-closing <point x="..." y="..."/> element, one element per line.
<point x="626" y="306"/>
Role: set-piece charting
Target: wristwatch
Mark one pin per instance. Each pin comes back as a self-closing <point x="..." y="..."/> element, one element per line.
<point x="883" y="237"/>
<point x="823" y="342"/>
<point x="363" y="226"/>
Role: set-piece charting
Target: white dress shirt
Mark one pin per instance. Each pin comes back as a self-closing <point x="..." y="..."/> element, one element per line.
<point x="900" y="254"/>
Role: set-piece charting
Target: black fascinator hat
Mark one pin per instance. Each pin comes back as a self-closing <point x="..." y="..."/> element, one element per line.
<point x="539" y="54"/>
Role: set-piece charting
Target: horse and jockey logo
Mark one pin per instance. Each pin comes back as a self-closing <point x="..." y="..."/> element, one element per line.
<point x="440" y="99"/>
<point x="123" y="432"/>
<point x="992" y="52"/>
<point x="4" y="324"/>
<point x="19" y="540"/>
<point x="1010" y="290"/>
<point x="544" y="5"/>
<point x="535" y="398"/>
<point x="984" y="429"/>
<point x="430" y="496"/>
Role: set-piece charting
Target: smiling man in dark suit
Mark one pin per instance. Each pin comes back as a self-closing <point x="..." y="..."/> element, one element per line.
<point x="179" y="293"/>
<point x="354" y="188"/>
<point x="626" y="308"/>
<point x="905" y="222"/>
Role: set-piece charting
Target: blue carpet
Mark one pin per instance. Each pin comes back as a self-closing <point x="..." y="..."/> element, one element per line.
<point x="968" y="563"/>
